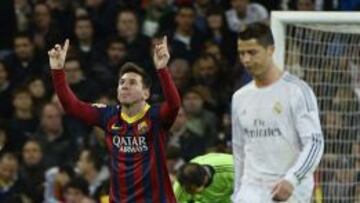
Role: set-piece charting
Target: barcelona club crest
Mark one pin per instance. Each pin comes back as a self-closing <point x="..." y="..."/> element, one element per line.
<point x="143" y="128"/>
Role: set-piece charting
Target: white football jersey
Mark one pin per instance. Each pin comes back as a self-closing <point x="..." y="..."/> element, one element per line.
<point x="276" y="134"/>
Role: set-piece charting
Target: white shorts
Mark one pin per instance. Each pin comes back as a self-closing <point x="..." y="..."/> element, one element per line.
<point x="251" y="193"/>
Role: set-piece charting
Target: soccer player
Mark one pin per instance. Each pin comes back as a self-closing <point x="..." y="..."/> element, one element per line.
<point x="135" y="131"/>
<point x="206" y="179"/>
<point x="277" y="138"/>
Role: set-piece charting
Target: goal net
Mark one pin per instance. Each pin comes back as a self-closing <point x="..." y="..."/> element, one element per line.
<point x="324" y="50"/>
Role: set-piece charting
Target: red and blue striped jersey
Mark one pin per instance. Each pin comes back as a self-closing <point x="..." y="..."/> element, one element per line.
<point x="136" y="145"/>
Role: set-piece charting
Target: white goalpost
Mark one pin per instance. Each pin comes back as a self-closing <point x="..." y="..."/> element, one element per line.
<point x="323" y="48"/>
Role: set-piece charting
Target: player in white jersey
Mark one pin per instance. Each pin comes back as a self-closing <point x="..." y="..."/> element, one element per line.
<point x="277" y="138"/>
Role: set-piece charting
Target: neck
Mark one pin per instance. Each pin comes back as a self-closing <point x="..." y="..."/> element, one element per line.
<point x="269" y="77"/>
<point x="24" y="114"/>
<point x="90" y="176"/>
<point x="133" y="109"/>
<point x="52" y="134"/>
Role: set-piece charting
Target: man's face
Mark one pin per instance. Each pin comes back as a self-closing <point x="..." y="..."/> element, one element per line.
<point x="37" y="88"/>
<point x="51" y="119"/>
<point x="185" y="18"/>
<point x="3" y="74"/>
<point x="127" y="25"/>
<point x="73" y="195"/>
<point x="207" y="68"/>
<point x="240" y="5"/>
<point x="73" y="72"/>
<point x="8" y="168"/>
<point x="42" y="16"/>
<point x="116" y="52"/>
<point x="24" y="49"/>
<point x="193" y="103"/>
<point x="32" y="153"/>
<point x="84" y="30"/>
<point x="255" y="58"/>
<point x="131" y="89"/>
<point x="23" y="101"/>
<point x="179" y="72"/>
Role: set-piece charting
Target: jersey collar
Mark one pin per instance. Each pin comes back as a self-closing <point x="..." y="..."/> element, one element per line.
<point x="136" y="117"/>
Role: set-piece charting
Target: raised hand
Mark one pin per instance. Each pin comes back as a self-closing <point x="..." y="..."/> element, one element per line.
<point x="161" y="54"/>
<point x="57" y="55"/>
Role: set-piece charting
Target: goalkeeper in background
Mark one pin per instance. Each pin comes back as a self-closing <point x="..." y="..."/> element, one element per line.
<point x="205" y="179"/>
<point x="277" y="138"/>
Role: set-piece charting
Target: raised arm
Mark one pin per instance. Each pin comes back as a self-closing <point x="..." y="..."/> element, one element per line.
<point x="69" y="101"/>
<point x="169" y="109"/>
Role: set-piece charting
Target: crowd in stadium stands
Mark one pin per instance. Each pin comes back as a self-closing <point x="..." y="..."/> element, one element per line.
<point x="49" y="156"/>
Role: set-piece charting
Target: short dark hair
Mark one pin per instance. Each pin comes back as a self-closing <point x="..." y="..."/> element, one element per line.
<point x="113" y="40"/>
<point x="94" y="157"/>
<point x="191" y="174"/>
<point x="130" y="67"/>
<point x="20" y="90"/>
<point x="83" y="18"/>
<point x="259" y="31"/>
<point x="78" y="183"/>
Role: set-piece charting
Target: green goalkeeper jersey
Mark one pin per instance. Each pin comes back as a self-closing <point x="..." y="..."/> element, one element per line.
<point x="221" y="187"/>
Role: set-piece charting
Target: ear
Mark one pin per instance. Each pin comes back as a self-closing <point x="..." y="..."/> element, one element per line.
<point x="270" y="49"/>
<point x="146" y="94"/>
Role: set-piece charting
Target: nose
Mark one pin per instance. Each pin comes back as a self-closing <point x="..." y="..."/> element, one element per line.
<point x="246" y="58"/>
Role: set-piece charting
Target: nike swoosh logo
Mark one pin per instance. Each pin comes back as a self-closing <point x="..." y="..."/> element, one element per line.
<point x="115" y="127"/>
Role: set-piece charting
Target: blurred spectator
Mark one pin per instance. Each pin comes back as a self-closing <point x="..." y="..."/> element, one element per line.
<point x="24" y="122"/>
<point x="219" y="33"/>
<point x="157" y="16"/>
<point x="201" y="7"/>
<point x="186" y="41"/>
<point x="88" y="49"/>
<point x="200" y="121"/>
<point x="106" y="71"/>
<point x="76" y="190"/>
<point x="138" y="45"/>
<point x="209" y="76"/>
<point x="103" y="14"/>
<point x="44" y="28"/>
<point x="23" y="13"/>
<point x="305" y="5"/>
<point x="84" y="87"/>
<point x="24" y="62"/>
<point x="181" y="73"/>
<point x="37" y="89"/>
<point x="341" y="188"/>
<point x="55" y="140"/>
<point x="32" y="171"/>
<point x="9" y="182"/>
<point x="173" y="161"/>
<point x="55" y="181"/>
<point x="5" y="92"/>
<point x="190" y="142"/>
<point x="91" y="168"/>
<point x="4" y="138"/>
<point x="243" y="13"/>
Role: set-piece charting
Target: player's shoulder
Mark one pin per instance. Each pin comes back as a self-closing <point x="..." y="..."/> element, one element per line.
<point x="213" y="158"/>
<point x="243" y="91"/>
<point x="295" y="83"/>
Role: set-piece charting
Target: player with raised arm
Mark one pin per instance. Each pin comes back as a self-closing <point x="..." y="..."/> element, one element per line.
<point x="135" y="131"/>
<point x="277" y="138"/>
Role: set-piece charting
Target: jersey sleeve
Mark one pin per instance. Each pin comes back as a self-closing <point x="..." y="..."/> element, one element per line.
<point x="307" y="123"/>
<point x="168" y="109"/>
<point x="237" y="147"/>
<point x="72" y="105"/>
